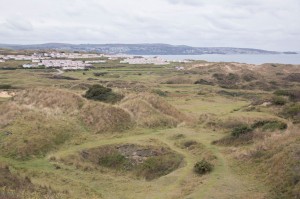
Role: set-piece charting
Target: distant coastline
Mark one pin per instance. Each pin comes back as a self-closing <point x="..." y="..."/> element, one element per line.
<point x="143" y="49"/>
<point x="249" y="59"/>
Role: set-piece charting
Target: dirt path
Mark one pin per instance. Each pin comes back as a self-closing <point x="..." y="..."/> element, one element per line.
<point x="224" y="183"/>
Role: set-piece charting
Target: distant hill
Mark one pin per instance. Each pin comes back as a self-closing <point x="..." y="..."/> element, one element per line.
<point x="139" y="49"/>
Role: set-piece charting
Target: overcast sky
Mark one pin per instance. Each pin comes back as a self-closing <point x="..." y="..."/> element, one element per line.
<point x="265" y="24"/>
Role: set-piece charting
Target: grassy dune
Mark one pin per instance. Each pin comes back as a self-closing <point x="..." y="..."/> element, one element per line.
<point x="55" y="143"/>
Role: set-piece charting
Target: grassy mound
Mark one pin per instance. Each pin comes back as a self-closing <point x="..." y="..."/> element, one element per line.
<point x="37" y="121"/>
<point x="13" y="186"/>
<point x="105" y="118"/>
<point x="148" y="162"/>
<point x="35" y="133"/>
<point x="146" y="115"/>
<point x="46" y="98"/>
<point x="279" y="165"/>
<point x="152" y="111"/>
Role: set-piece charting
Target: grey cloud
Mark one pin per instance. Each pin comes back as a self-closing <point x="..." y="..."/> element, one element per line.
<point x="18" y="24"/>
<point x="268" y="24"/>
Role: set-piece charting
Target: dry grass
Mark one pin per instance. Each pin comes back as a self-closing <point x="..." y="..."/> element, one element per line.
<point x="150" y="110"/>
<point x="145" y="115"/>
<point x="276" y="159"/>
<point x="105" y="118"/>
<point x="46" y="98"/>
<point x="34" y="133"/>
<point x="148" y="162"/>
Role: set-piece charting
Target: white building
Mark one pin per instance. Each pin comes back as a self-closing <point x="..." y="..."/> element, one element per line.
<point x="30" y="66"/>
<point x="143" y="60"/>
<point x="95" y="62"/>
<point x="65" y="64"/>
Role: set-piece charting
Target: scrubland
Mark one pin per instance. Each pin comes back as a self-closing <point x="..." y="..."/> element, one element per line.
<point x="214" y="130"/>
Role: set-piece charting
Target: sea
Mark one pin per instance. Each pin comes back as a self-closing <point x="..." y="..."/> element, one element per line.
<point x="241" y="58"/>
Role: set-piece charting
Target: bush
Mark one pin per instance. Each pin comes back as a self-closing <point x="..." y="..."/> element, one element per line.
<point x="269" y="125"/>
<point x="101" y="93"/>
<point x="203" y="167"/>
<point x="240" y="130"/>
<point x="279" y="101"/>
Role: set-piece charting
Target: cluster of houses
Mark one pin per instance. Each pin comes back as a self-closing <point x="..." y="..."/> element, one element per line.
<point x="21" y="57"/>
<point x="76" y="61"/>
<point x="95" y="62"/>
<point x="72" y="55"/>
<point x="145" y="60"/>
<point x="60" y="63"/>
<point x="51" y="55"/>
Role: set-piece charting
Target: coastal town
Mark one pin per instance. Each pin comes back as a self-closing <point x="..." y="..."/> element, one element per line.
<point x="78" y="61"/>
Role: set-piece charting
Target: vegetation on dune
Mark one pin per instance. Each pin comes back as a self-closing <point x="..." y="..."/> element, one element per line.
<point x="294" y="95"/>
<point x="292" y="111"/>
<point x="72" y="144"/>
<point x="269" y="125"/>
<point x="147" y="162"/>
<point x="103" y="94"/>
<point x="146" y="115"/>
<point x="157" y="166"/>
<point x="241" y="130"/>
<point x="246" y="134"/>
<point x="152" y="111"/>
<point x="277" y="162"/>
<point x="34" y="134"/>
<point x="14" y="186"/>
<point x="279" y="101"/>
<point x="46" y="98"/>
<point x="203" y="167"/>
<point x="105" y="118"/>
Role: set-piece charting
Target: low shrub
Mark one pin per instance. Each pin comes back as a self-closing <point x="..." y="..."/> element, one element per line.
<point x="269" y="125"/>
<point x="240" y="130"/>
<point x="101" y="93"/>
<point x="203" y="167"/>
<point x="279" y="101"/>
